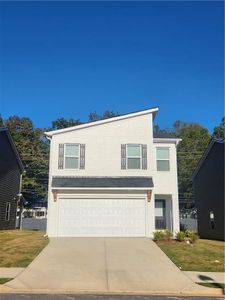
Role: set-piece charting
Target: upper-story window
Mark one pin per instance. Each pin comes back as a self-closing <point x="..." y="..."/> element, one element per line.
<point x="133" y="156"/>
<point x="72" y="156"/>
<point x="163" y="158"/>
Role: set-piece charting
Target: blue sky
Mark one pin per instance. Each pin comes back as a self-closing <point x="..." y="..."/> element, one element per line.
<point x="70" y="58"/>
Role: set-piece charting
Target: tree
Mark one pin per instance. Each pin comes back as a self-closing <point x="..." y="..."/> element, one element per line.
<point x="1" y="121"/>
<point x="164" y="132"/>
<point x="61" y="123"/>
<point x="195" y="139"/>
<point x="219" y="131"/>
<point x="33" y="150"/>
<point x="94" y="116"/>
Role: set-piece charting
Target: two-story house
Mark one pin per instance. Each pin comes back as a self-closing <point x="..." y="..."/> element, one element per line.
<point x="112" y="178"/>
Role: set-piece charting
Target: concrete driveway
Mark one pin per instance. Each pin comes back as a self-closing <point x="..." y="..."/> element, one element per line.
<point x="103" y="265"/>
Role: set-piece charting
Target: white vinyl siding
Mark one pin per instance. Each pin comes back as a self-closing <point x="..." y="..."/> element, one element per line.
<point x="163" y="158"/>
<point x="134" y="156"/>
<point x="72" y="156"/>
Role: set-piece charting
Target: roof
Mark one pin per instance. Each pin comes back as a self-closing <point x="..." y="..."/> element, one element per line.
<point x="109" y="120"/>
<point x="6" y="131"/>
<point x="167" y="140"/>
<point x="205" y="154"/>
<point x="101" y="182"/>
<point x="162" y="135"/>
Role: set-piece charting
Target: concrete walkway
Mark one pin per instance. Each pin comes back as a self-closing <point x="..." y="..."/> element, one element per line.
<point x="10" y="272"/>
<point x="218" y="277"/>
<point x="104" y="265"/>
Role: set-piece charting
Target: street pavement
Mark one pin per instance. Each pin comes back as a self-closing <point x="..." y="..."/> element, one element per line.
<point x="99" y="297"/>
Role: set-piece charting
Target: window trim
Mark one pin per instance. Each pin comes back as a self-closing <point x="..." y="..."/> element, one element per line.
<point x="7" y="211"/>
<point x="162" y="159"/>
<point x="140" y="156"/>
<point x="73" y="156"/>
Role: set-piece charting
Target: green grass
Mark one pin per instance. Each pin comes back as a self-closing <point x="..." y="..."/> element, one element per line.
<point x="212" y="285"/>
<point x="203" y="256"/>
<point x="4" y="280"/>
<point x="19" y="247"/>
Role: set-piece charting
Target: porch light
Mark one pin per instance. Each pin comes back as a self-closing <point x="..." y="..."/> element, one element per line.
<point x="149" y="195"/>
<point x="55" y="193"/>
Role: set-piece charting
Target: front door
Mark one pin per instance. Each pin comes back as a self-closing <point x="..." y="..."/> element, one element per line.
<point x="160" y="214"/>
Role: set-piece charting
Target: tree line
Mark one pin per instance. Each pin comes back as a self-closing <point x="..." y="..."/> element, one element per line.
<point x="33" y="148"/>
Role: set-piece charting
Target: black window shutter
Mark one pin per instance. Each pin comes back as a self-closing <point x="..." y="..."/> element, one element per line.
<point x="82" y="156"/>
<point x="61" y="156"/>
<point x="144" y="157"/>
<point x="123" y="156"/>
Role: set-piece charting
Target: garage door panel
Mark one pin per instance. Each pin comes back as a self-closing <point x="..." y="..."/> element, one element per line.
<point x="101" y="217"/>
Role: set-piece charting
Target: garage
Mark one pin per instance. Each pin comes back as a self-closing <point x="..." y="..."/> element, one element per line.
<point x="101" y="216"/>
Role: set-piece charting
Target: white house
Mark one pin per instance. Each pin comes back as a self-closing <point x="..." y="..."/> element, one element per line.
<point x="112" y="178"/>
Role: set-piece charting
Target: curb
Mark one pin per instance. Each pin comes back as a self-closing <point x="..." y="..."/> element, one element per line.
<point x="210" y="292"/>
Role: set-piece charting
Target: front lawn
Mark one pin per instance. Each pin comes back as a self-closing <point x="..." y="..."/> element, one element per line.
<point x="203" y="255"/>
<point x="19" y="247"/>
<point x="4" y="280"/>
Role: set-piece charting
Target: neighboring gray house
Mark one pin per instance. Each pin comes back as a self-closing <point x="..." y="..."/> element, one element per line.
<point x="11" y="169"/>
<point x="208" y="181"/>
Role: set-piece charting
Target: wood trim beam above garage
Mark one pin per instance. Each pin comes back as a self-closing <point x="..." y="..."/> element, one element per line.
<point x="102" y="182"/>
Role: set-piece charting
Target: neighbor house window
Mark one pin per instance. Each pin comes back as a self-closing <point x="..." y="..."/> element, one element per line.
<point x="72" y="156"/>
<point x="163" y="158"/>
<point x="7" y="212"/>
<point x="134" y="156"/>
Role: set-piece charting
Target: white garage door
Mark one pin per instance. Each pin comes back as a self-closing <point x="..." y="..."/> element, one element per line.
<point x="87" y="217"/>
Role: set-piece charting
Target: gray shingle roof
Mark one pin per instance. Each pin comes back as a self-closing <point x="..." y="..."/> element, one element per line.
<point x="102" y="182"/>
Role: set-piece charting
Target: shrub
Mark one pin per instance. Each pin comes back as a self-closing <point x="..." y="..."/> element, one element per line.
<point x="191" y="235"/>
<point x="188" y="235"/>
<point x="180" y="236"/>
<point x="168" y="234"/>
<point x="159" y="235"/>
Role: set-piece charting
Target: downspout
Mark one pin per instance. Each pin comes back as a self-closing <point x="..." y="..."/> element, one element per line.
<point x="20" y="202"/>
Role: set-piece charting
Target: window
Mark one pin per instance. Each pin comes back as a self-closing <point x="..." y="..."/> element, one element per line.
<point x="72" y="156"/>
<point x="133" y="156"/>
<point x="163" y="159"/>
<point x="212" y="220"/>
<point x="40" y="214"/>
<point x="7" y="212"/>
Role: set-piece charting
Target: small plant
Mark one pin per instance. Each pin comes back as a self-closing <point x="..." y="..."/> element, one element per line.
<point x="189" y="236"/>
<point x="180" y="236"/>
<point x="159" y="235"/>
<point x="168" y="235"/>
<point x="192" y="236"/>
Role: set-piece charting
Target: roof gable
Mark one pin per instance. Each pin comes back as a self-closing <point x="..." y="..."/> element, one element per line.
<point x="18" y="159"/>
<point x="101" y="122"/>
<point x="205" y="154"/>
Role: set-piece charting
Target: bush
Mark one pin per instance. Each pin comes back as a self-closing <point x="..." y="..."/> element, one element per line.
<point x="159" y="235"/>
<point x="188" y="235"/>
<point x="191" y="235"/>
<point x="168" y="234"/>
<point x="180" y="236"/>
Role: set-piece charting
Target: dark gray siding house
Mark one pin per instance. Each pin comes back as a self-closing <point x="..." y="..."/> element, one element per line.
<point x="11" y="169"/>
<point x="208" y="182"/>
